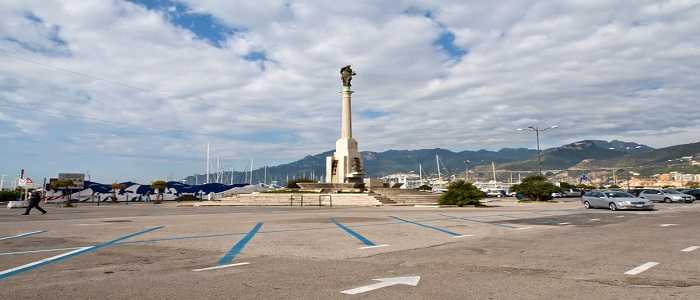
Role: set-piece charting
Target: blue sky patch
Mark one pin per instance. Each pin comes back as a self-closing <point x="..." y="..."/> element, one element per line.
<point x="205" y="26"/>
<point x="445" y="41"/>
<point x="57" y="46"/>
<point x="372" y="114"/>
<point x="257" y="56"/>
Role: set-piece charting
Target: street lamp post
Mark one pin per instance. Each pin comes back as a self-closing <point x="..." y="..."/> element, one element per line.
<point x="537" y="131"/>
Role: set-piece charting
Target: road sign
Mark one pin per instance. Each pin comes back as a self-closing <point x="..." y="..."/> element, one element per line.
<point x="383" y="282"/>
<point x="25" y="182"/>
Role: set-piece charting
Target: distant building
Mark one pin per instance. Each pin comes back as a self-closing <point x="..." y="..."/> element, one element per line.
<point x="408" y="180"/>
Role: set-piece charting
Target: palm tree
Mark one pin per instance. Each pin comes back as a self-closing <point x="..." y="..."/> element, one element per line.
<point x="115" y="188"/>
<point x="159" y="186"/>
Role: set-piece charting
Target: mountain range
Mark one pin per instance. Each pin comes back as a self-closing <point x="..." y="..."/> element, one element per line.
<point x="584" y="154"/>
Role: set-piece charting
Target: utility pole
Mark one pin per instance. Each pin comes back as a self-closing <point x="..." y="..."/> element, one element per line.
<point x="537" y="131"/>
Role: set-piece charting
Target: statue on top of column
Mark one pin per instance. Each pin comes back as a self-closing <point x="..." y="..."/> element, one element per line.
<point x="346" y="74"/>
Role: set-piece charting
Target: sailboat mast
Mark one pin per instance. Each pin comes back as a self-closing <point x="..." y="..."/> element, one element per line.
<point x="493" y="168"/>
<point x="251" y="172"/>
<point x="265" y="180"/>
<point x="207" y="162"/>
<point x="437" y="162"/>
<point x="218" y="169"/>
<point x="420" y="173"/>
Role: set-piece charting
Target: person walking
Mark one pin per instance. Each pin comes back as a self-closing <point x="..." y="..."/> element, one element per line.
<point x="34" y="200"/>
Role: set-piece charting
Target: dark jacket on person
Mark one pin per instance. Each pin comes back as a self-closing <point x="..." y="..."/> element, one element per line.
<point x="35" y="197"/>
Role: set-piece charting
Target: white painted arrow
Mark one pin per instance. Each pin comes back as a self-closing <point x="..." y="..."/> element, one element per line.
<point x="383" y="282"/>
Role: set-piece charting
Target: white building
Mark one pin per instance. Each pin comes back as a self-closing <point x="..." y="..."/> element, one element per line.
<point x="408" y="180"/>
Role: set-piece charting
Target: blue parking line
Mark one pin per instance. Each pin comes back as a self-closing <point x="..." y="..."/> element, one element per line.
<point x="30" y="266"/>
<point x="354" y="233"/>
<point x="238" y="247"/>
<point x="428" y="226"/>
<point x="477" y="221"/>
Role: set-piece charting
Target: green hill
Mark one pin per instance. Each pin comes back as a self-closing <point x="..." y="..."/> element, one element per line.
<point x="572" y="154"/>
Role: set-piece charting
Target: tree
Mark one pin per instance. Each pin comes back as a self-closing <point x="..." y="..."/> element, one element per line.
<point x="536" y="187"/>
<point x="64" y="186"/>
<point x="116" y="187"/>
<point x="614" y="186"/>
<point x="461" y="193"/>
<point x="159" y="186"/>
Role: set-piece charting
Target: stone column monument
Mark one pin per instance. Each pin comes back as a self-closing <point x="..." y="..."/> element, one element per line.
<point x="345" y="166"/>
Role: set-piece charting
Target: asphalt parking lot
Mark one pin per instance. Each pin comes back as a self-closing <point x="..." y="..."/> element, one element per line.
<point x="509" y="251"/>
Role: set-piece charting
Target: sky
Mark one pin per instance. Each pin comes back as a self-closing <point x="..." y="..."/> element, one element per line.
<point x="134" y="90"/>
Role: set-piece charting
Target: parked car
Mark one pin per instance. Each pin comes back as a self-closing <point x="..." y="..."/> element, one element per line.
<point x="496" y="193"/>
<point x="614" y="200"/>
<point x="635" y="192"/>
<point x="667" y="196"/>
<point x="694" y="192"/>
<point x="556" y="195"/>
<point x="571" y="193"/>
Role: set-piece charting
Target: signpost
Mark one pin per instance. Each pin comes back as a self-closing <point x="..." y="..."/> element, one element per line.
<point x="25" y="183"/>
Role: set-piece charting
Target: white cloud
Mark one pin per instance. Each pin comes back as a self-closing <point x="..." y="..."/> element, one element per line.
<point x="600" y="69"/>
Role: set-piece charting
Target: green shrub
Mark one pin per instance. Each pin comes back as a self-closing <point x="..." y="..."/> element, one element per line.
<point x="566" y="185"/>
<point x="536" y="187"/>
<point x="9" y="195"/>
<point x="585" y="186"/>
<point x="461" y="193"/>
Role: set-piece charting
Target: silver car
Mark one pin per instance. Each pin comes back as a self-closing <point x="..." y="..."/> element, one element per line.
<point x="667" y="196"/>
<point x="614" y="200"/>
